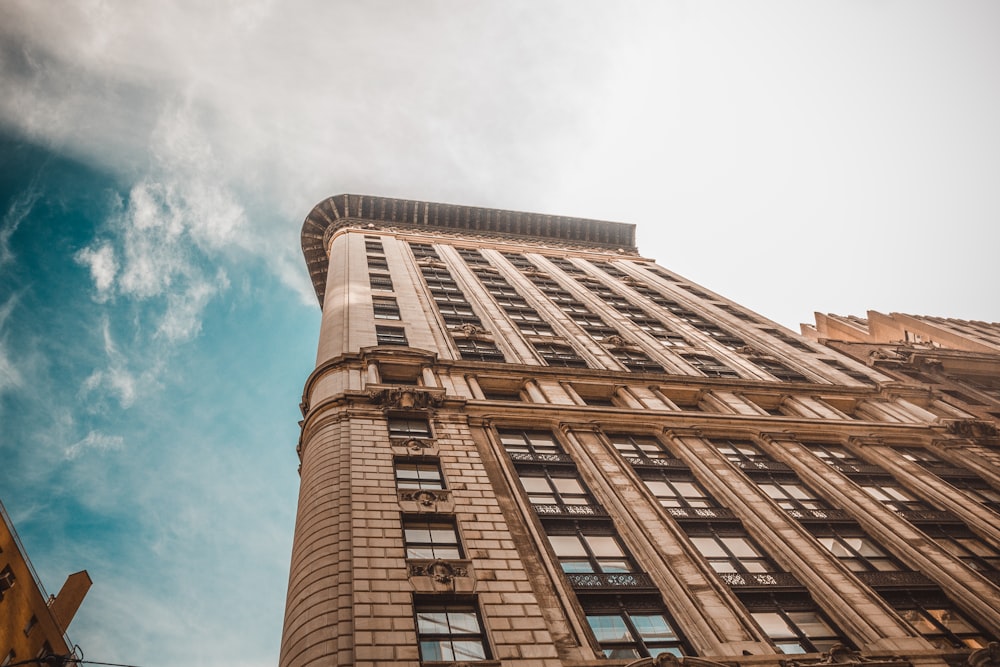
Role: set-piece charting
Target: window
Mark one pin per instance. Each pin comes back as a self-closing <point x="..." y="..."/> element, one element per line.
<point x="628" y="633"/>
<point x="797" y="630"/>
<point x="960" y="542"/>
<point x="591" y="549"/>
<point x="779" y="370"/>
<point x="390" y="335"/>
<point x="790" y="340"/>
<point x="849" y="372"/>
<point x="385" y="308"/>
<point x="558" y="485"/>
<point x="536" y="329"/>
<point x="30" y="625"/>
<point x="377" y="263"/>
<point x="857" y="551"/>
<point x="9" y="658"/>
<point x="478" y="350"/>
<point x="728" y="554"/>
<point x="418" y="475"/>
<point x="893" y="496"/>
<point x="555" y="354"/>
<point x="6" y="580"/>
<point x="709" y="365"/>
<point x="380" y="281"/>
<point x="638" y="449"/>
<point x="841" y="459"/>
<point x="409" y="427"/>
<point x="675" y="491"/>
<point x="743" y="453"/>
<point x="531" y="445"/>
<point x="450" y="632"/>
<point x="431" y="538"/>
<point x="635" y="360"/>
<point x="934" y="617"/>
<point x="791" y="494"/>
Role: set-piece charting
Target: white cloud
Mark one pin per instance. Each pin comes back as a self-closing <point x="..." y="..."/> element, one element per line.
<point x="10" y="374"/>
<point x="100" y="259"/>
<point x="19" y="209"/>
<point x="182" y="319"/>
<point x="95" y="441"/>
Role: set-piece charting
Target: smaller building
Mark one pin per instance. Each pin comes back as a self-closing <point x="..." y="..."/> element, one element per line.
<point x="32" y="623"/>
<point x="956" y="361"/>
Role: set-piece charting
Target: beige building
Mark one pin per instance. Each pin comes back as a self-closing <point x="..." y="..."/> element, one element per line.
<point x="526" y="445"/>
<point x="32" y="624"/>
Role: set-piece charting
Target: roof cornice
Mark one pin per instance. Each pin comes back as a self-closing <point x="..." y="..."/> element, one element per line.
<point x="348" y="210"/>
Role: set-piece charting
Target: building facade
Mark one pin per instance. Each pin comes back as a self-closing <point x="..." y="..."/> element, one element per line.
<point x="525" y="444"/>
<point x="32" y="624"/>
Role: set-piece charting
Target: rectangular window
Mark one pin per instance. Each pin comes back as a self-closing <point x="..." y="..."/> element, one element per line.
<point x="778" y="370"/>
<point x="6" y="580"/>
<point x="733" y="554"/>
<point x="856" y="550"/>
<point x="431" y="538"/>
<point x="478" y="350"/>
<point x="709" y="365"/>
<point x="450" y="632"/>
<point x="531" y="445"/>
<point x="390" y="336"/>
<point x="797" y="630"/>
<point x="380" y="281"/>
<point x="385" y="308"/>
<point x="557" y="486"/>
<point x="635" y="629"/>
<point x="555" y="354"/>
<point x="418" y="475"/>
<point x="590" y="551"/>
<point x="637" y="449"/>
<point x="409" y="427"/>
<point x="377" y="263"/>
<point x="936" y="619"/>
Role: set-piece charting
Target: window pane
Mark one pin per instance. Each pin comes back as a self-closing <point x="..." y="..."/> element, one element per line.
<point x="810" y="624"/>
<point x="653" y="627"/>
<point x="740" y="547"/>
<point x="468" y="650"/>
<point x="567" y="545"/>
<point x="773" y="625"/>
<point x="708" y="547"/>
<point x="432" y="622"/>
<point x="605" y="546"/>
<point x="609" y="628"/>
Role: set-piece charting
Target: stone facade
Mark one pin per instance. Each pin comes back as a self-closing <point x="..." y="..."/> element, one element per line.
<point x="525" y="444"/>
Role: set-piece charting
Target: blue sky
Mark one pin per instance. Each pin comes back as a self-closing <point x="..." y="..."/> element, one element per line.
<point x="157" y="159"/>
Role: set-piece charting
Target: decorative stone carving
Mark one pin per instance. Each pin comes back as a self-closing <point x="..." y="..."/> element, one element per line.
<point x="971" y="428"/>
<point x="405" y="398"/>
<point x="840" y="655"/>
<point x="616" y="341"/>
<point x="671" y="660"/>
<point x="441" y="571"/>
<point x="416" y="445"/>
<point x="986" y="657"/>
<point x="424" y="497"/>
<point x="470" y="330"/>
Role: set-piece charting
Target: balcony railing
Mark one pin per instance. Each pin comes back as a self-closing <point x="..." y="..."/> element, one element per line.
<point x="529" y="457"/>
<point x="763" y="464"/>
<point x="701" y="513"/>
<point x="928" y="516"/>
<point x="895" y="579"/>
<point x="609" y="581"/>
<point x="768" y="580"/>
<point x="820" y="515"/>
<point x="638" y="462"/>
<point x="570" y="510"/>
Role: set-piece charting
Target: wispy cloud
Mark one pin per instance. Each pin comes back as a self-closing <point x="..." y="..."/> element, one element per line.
<point x="95" y="441"/>
<point x="10" y="374"/>
<point x="17" y="211"/>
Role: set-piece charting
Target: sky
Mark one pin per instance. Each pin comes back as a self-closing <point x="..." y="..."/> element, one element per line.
<point x="157" y="160"/>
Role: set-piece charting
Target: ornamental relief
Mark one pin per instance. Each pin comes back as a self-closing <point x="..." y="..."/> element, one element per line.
<point x="402" y="398"/>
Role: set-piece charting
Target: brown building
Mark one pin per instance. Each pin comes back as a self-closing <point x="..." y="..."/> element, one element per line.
<point x="525" y="444"/>
<point x="958" y="361"/>
<point x="32" y="624"/>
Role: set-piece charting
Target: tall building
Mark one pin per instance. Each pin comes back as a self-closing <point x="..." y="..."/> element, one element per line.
<point x="32" y="624"/>
<point x="957" y="360"/>
<point x="525" y="444"/>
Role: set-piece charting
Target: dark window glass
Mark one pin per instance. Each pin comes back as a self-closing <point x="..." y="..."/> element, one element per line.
<point x="390" y="336"/>
<point x="418" y="475"/>
<point x="409" y="427"/>
<point x="431" y="538"/>
<point x="380" y="281"/>
<point x="709" y="365"/>
<point x="450" y="632"/>
<point x="385" y="308"/>
<point x="937" y="620"/>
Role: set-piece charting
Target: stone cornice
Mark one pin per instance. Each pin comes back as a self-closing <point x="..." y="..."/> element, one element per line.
<point x="368" y="212"/>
